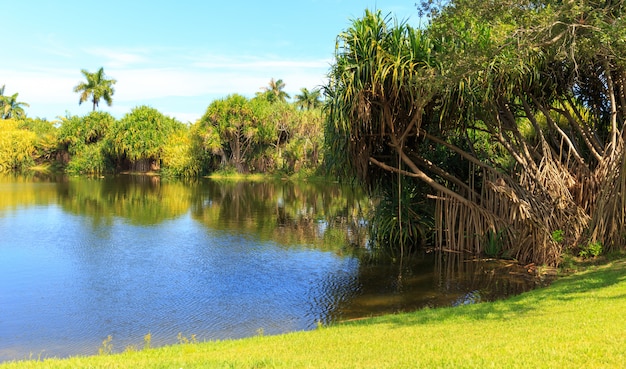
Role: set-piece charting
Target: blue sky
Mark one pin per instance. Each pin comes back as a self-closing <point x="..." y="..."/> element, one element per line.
<point x="176" y="56"/>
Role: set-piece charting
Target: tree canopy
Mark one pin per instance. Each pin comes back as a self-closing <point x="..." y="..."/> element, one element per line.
<point x="96" y="87"/>
<point x="542" y="81"/>
<point x="10" y="107"/>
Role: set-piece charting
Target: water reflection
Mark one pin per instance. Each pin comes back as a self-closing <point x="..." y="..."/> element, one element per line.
<point x="86" y="258"/>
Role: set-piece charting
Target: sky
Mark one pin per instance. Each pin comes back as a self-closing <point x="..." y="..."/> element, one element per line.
<point x="176" y="56"/>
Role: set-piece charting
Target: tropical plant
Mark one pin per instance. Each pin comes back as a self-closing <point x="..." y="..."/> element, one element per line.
<point x="178" y="157"/>
<point x="46" y="144"/>
<point x="402" y="222"/>
<point x="16" y="146"/>
<point x="274" y="92"/>
<point x="96" y="87"/>
<point x="10" y="107"/>
<point x="231" y="129"/>
<point x="308" y="99"/>
<point x="543" y="83"/>
<point x="591" y="250"/>
<point x="83" y="139"/>
<point x="136" y="141"/>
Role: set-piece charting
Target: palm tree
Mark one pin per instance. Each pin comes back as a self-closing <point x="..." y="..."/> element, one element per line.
<point x="2" y="98"/>
<point x="275" y="91"/>
<point x="97" y="86"/>
<point x="308" y="99"/>
<point x="10" y="107"/>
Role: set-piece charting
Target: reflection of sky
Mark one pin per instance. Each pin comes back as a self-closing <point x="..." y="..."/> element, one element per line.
<point x="65" y="285"/>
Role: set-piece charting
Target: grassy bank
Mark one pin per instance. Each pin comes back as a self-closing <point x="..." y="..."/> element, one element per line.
<point x="577" y="322"/>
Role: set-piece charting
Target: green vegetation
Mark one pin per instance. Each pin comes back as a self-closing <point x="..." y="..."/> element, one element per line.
<point x="97" y="87"/>
<point x="577" y="322"/>
<point x="491" y="118"/>
<point x="527" y="100"/>
<point x="10" y="107"/>
<point x="258" y="135"/>
<point x="136" y="141"/>
<point x="17" y="146"/>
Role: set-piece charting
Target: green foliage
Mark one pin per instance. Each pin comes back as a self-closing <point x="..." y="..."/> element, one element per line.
<point x="10" y="107"/>
<point x="256" y="135"/>
<point x="308" y="100"/>
<point x="401" y="222"/>
<point x="590" y="250"/>
<point x="557" y="236"/>
<point x="494" y="243"/>
<point x="90" y="159"/>
<point x="140" y="137"/>
<point x="17" y="146"/>
<point x="228" y="129"/>
<point x="274" y="92"/>
<point x="178" y="159"/>
<point x="96" y="87"/>
<point x="85" y="139"/>
<point x="76" y="132"/>
<point x="46" y="143"/>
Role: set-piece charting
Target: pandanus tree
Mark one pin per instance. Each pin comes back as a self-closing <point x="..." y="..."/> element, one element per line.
<point x="137" y="140"/>
<point x="95" y="88"/>
<point x="544" y="82"/>
<point x="383" y="78"/>
<point x="230" y="129"/>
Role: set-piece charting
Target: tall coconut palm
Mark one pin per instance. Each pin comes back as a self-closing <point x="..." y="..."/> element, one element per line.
<point x="10" y="107"/>
<point x="95" y="88"/>
<point x="274" y="92"/>
<point x="308" y="99"/>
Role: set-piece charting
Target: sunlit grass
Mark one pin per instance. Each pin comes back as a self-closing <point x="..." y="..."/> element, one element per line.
<point x="578" y="322"/>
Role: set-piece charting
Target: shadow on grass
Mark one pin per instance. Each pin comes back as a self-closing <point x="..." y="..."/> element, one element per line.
<point x="567" y="289"/>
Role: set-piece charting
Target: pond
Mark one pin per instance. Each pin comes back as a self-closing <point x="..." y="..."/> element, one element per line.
<point x="82" y="259"/>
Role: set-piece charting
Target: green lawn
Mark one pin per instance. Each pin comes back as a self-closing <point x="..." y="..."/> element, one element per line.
<point x="577" y="322"/>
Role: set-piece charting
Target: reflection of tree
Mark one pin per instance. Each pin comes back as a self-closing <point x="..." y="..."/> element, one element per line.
<point x="429" y="280"/>
<point x="139" y="199"/>
<point x="487" y="280"/>
<point x="324" y="216"/>
<point x="21" y="191"/>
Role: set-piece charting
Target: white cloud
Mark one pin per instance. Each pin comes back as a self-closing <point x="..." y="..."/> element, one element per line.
<point x="118" y="58"/>
<point x="183" y="86"/>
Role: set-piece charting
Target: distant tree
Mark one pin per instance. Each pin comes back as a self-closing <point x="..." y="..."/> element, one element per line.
<point x="96" y="87"/>
<point x="307" y="100"/>
<point x="136" y="141"/>
<point x="10" y="107"/>
<point x="274" y="92"/>
<point x="229" y="129"/>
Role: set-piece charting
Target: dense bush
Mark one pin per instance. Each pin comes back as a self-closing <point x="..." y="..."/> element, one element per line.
<point x="83" y="138"/>
<point x="137" y="140"/>
<point x="17" y="146"/>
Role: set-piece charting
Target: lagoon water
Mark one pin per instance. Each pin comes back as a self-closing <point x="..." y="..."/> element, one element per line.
<point x="83" y="259"/>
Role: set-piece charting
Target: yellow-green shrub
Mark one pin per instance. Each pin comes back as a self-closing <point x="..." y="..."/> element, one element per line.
<point x="176" y="158"/>
<point x="16" y="146"/>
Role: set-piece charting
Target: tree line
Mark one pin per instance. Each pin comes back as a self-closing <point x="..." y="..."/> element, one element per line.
<point x="494" y="128"/>
<point x="265" y="133"/>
